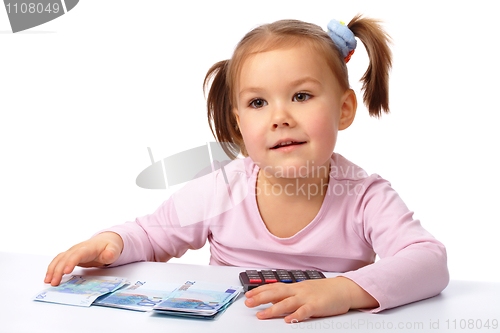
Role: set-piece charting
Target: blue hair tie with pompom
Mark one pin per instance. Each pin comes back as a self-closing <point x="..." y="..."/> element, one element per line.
<point x="343" y="37"/>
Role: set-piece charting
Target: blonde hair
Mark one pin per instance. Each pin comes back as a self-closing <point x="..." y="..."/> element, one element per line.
<point x="287" y="33"/>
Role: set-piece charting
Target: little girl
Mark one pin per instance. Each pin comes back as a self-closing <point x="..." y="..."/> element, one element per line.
<point x="280" y="101"/>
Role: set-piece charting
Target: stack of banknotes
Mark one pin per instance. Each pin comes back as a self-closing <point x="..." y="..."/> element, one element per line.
<point x="191" y="299"/>
<point x="198" y="299"/>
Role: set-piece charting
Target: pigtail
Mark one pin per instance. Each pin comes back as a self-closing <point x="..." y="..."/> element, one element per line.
<point x="219" y="110"/>
<point x="376" y="78"/>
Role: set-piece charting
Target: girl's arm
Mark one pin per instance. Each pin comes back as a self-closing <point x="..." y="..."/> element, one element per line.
<point x="160" y="236"/>
<point x="154" y="237"/>
<point x="181" y="223"/>
<point x="412" y="265"/>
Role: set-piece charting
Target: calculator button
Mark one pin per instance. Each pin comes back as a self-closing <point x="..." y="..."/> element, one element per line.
<point x="282" y="272"/>
<point x="253" y="276"/>
<point x="299" y="275"/>
<point x="284" y="276"/>
<point x="313" y="274"/>
<point x="269" y="276"/>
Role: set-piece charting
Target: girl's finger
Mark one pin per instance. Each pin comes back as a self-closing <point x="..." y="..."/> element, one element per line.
<point x="54" y="271"/>
<point x="50" y="269"/>
<point x="256" y="291"/>
<point x="287" y="305"/>
<point x="57" y="274"/>
<point x="302" y="313"/>
<point x="270" y="294"/>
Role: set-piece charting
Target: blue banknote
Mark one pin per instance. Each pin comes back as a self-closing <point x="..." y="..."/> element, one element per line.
<point x="81" y="290"/>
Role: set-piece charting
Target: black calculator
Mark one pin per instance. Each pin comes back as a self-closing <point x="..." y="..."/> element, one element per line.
<point x="252" y="278"/>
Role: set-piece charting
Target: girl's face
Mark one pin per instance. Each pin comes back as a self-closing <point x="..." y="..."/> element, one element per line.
<point x="291" y="95"/>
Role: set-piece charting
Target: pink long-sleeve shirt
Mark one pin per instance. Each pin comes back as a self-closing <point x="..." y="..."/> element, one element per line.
<point x="361" y="216"/>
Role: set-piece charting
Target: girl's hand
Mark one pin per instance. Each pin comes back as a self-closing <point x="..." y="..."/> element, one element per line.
<point x="310" y="298"/>
<point x="102" y="249"/>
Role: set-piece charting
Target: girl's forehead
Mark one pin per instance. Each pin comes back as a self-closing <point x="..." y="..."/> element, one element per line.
<point x="298" y="59"/>
<point x="288" y="45"/>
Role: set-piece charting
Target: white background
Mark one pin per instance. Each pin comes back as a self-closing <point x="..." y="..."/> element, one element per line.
<point x="83" y="96"/>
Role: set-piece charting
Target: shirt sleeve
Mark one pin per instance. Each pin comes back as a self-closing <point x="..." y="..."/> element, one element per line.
<point x="412" y="264"/>
<point x="158" y="236"/>
<point x="184" y="221"/>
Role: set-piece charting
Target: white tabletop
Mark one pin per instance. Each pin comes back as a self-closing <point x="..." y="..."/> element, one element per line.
<point x="462" y="306"/>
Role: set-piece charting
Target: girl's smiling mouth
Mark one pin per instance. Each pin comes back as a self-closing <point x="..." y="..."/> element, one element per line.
<point x="286" y="145"/>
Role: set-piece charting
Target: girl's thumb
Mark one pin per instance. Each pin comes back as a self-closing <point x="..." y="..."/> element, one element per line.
<point x="109" y="255"/>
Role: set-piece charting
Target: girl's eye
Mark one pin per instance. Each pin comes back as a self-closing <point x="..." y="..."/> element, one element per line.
<point x="301" y="97"/>
<point x="258" y="103"/>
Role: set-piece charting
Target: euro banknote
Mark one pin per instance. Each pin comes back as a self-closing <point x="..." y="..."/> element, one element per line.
<point x="81" y="290"/>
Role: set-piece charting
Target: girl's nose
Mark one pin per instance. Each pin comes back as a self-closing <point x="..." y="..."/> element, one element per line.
<point x="282" y="118"/>
<point x="278" y="125"/>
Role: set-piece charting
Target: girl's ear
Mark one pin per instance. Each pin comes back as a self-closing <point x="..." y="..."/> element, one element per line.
<point x="348" y="109"/>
